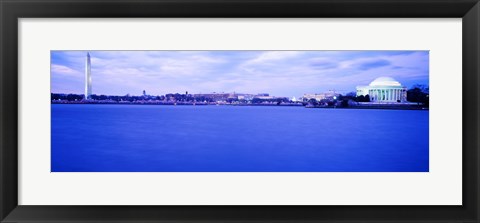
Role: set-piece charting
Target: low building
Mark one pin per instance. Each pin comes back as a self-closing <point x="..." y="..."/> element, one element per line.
<point x="317" y="97"/>
<point x="384" y="89"/>
<point x="320" y="96"/>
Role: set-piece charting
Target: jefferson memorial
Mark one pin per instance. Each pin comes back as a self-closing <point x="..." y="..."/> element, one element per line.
<point x="384" y="89"/>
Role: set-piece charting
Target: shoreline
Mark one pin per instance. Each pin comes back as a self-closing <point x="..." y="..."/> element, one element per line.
<point x="376" y="106"/>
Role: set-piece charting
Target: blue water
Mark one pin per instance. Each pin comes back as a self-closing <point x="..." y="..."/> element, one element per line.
<point x="145" y="138"/>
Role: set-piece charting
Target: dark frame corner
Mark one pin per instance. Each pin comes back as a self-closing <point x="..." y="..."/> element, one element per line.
<point x="11" y="10"/>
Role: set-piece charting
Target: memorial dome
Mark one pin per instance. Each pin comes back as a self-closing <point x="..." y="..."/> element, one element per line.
<point x="385" y="81"/>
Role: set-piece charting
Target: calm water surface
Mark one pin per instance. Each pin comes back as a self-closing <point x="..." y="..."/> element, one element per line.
<point x="145" y="138"/>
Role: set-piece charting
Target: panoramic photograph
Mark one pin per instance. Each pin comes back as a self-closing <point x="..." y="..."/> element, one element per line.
<point x="239" y="111"/>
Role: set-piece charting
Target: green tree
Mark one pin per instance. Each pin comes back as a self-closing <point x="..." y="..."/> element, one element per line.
<point x="418" y="94"/>
<point x="367" y="98"/>
<point x="313" y="101"/>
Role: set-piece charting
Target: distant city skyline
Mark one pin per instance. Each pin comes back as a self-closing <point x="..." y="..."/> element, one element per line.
<point x="279" y="73"/>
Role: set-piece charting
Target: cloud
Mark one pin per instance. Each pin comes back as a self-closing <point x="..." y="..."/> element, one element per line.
<point x="63" y="70"/>
<point x="367" y="65"/>
<point x="323" y="63"/>
<point x="281" y="73"/>
<point x="271" y="56"/>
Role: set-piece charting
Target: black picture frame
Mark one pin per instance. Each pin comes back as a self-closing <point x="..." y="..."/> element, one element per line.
<point x="12" y="10"/>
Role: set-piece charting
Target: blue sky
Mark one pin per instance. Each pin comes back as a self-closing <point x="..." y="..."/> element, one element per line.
<point x="280" y="73"/>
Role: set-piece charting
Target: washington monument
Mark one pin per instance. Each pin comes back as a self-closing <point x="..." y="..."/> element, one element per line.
<point x="88" y="78"/>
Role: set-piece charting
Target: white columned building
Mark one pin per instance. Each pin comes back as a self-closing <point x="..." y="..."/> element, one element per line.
<point x="88" y="78"/>
<point x="384" y="89"/>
